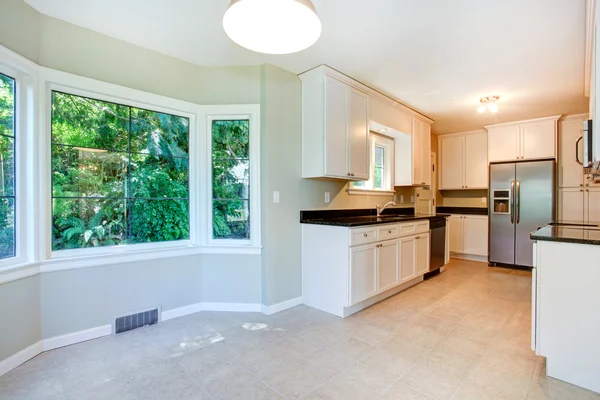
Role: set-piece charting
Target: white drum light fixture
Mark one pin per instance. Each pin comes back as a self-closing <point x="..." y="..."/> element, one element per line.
<point x="272" y="26"/>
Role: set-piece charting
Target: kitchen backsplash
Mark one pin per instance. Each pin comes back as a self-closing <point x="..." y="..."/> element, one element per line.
<point x="462" y="198"/>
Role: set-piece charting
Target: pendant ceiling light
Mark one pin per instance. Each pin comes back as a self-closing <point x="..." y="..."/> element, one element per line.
<point x="272" y="26"/>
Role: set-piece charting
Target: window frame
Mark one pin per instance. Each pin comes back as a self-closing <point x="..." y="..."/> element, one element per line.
<point x="387" y="143"/>
<point x="251" y="113"/>
<point x="24" y="73"/>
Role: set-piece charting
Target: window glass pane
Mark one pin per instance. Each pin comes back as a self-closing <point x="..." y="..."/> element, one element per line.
<point x="231" y="179"/>
<point x="83" y="122"/>
<point x="7" y="166"/>
<point x="82" y="172"/>
<point x="379" y="167"/>
<point x="159" y="134"/>
<point x="158" y="220"/>
<point x="7" y="227"/>
<point x="81" y="222"/>
<point x="106" y="157"/>
<point x="231" y="219"/>
<point x="158" y="177"/>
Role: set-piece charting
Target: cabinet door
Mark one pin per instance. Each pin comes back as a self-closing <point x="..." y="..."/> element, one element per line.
<point x="363" y="273"/>
<point x="388" y="262"/>
<point x="503" y="143"/>
<point x="426" y="165"/>
<point x="452" y="169"/>
<point x="538" y="140"/>
<point x="455" y="229"/>
<point x="408" y="262"/>
<point x="570" y="205"/>
<point x="570" y="174"/>
<point x="422" y="254"/>
<point x="593" y="205"/>
<point x="335" y="153"/>
<point x="417" y="144"/>
<point x="475" y="235"/>
<point x="476" y="161"/>
<point x="358" y="134"/>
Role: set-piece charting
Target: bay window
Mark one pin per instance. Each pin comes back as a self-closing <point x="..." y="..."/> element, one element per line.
<point x="7" y="167"/>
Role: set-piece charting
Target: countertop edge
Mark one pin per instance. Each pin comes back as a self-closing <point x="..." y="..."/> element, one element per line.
<point x="332" y="222"/>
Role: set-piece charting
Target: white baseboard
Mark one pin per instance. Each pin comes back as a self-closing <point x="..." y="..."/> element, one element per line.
<point x="469" y="257"/>
<point x="76" y="337"/>
<point x="284" y="305"/>
<point x="12" y="362"/>
<point x="194" y="308"/>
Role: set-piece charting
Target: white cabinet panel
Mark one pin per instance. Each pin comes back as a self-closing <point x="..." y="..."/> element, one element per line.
<point x="407" y="259"/>
<point x="476" y="161"/>
<point x="363" y="273"/>
<point x="335" y="128"/>
<point x="388" y="261"/>
<point x="417" y="138"/>
<point x="475" y="238"/>
<point x="426" y="165"/>
<point x="456" y="233"/>
<point x="571" y="205"/>
<point x="570" y="173"/>
<point x="593" y="205"/>
<point x="538" y="140"/>
<point x="422" y="254"/>
<point x="452" y="167"/>
<point x="503" y="143"/>
<point x="358" y="134"/>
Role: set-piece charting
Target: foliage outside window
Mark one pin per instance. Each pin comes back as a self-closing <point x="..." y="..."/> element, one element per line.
<point x="119" y="174"/>
<point x="231" y="179"/>
<point x="381" y="176"/>
<point x="7" y="167"/>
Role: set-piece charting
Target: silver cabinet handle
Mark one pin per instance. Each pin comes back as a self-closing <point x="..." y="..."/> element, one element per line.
<point x="365" y="235"/>
<point x="348" y="174"/>
<point x="352" y="174"/>
<point x="418" y="237"/>
<point x="577" y="151"/>
<point x="389" y="231"/>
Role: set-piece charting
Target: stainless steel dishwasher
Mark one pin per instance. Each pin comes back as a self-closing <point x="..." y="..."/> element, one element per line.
<point x="437" y="246"/>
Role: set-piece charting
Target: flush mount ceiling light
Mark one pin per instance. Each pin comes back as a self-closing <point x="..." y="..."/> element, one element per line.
<point x="488" y="102"/>
<point x="272" y="26"/>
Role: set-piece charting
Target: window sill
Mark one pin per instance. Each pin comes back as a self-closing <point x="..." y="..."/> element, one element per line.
<point x="59" y="262"/>
<point x="18" y="271"/>
<point x="370" y="192"/>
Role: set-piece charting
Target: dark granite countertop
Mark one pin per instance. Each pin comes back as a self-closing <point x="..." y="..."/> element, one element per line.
<point x="568" y="233"/>
<point x="363" y="217"/>
<point x="462" y="210"/>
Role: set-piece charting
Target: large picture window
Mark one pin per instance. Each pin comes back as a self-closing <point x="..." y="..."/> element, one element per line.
<point x="231" y="179"/>
<point x="7" y="167"/>
<point x="119" y="174"/>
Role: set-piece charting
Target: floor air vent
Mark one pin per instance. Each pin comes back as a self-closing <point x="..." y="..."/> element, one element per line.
<point x="133" y="321"/>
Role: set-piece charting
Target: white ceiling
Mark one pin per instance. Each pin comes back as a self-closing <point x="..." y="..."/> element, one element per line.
<point x="437" y="56"/>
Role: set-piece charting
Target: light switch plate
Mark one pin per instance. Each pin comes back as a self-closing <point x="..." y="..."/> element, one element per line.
<point x="483" y="200"/>
<point x="327" y="197"/>
<point x="276" y="196"/>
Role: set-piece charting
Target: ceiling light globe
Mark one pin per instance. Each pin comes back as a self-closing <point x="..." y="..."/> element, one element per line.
<point x="493" y="107"/>
<point x="481" y="109"/>
<point x="272" y="26"/>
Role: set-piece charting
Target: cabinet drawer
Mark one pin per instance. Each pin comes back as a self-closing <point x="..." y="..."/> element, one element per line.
<point x="414" y="227"/>
<point x="363" y="236"/>
<point x="422" y="227"/>
<point x="388" y="232"/>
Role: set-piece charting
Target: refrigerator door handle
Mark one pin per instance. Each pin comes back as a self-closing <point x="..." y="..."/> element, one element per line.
<point x="511" y="206"/>
<point x="518" y="201"/>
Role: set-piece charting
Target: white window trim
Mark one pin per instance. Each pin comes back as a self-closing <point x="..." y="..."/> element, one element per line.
<point x="236" y="112"/>
<point x="34" y="217"/>
<point x="387" y="143"/>
<point x="25" y="74"/>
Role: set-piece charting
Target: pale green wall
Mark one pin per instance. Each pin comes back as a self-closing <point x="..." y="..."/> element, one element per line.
<point x="20" y="28"/>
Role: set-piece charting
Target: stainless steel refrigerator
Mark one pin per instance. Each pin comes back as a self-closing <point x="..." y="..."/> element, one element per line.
<point x="521" y="200"/>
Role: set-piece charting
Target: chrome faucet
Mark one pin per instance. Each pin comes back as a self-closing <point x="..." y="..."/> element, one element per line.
<point x="380" y="209"/>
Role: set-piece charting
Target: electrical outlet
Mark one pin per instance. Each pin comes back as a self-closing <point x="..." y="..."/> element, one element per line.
<point x="483" y="200"/>
<point x="401" y="199"/>
<point x="327" y="198"/>
<point x="412" y="199"/>
<point x="276" y="196"/>
<point x="395" y="198"/>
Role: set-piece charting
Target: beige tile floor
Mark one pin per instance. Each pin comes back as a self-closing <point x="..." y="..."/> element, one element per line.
<point x="461" y="335"/>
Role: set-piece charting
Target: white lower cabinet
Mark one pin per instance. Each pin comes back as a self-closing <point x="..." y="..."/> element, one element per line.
<point x="468" y="235"/>
<point x="347" y="269"/>
<point x="579" y="205"/>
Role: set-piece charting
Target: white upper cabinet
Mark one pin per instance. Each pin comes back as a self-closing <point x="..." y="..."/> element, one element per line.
<point x="420" y="171"/>
<point x="463" y="161"/>
<point x="523" y="140"/>
<point x="335" y="128"/>
<point x="385" y="114"/>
